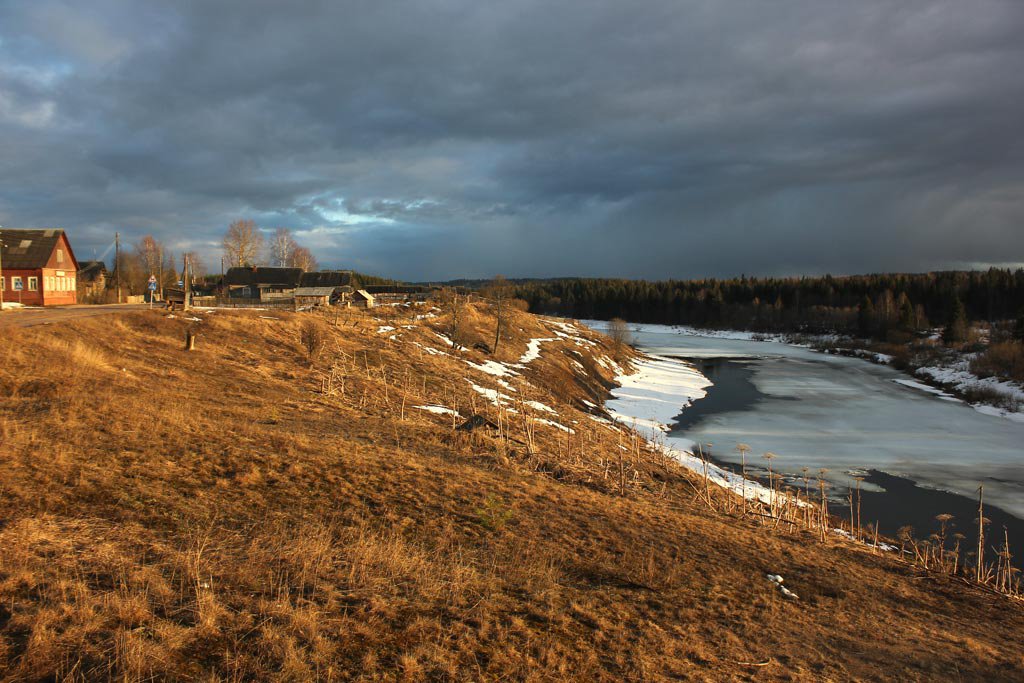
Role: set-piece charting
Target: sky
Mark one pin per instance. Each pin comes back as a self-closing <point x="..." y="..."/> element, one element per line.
<point x="456" y="138"/>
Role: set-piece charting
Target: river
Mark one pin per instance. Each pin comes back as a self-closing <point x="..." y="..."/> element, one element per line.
<point x="919" y="455"/>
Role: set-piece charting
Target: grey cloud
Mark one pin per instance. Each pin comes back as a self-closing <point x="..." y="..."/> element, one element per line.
<point x="449" y="138"/>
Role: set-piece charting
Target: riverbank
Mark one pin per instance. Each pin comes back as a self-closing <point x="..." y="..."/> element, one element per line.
<point x="917" y="455"/>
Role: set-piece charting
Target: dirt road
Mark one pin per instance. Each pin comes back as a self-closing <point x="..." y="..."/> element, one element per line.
<point x="30" y="317"/>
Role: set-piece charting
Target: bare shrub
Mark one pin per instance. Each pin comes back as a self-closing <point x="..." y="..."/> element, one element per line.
<point x="1001" y="360"/>
<point x="313" y="339"/>
<point x="620" y="335"/>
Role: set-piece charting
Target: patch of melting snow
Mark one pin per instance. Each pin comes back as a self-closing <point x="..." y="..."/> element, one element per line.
<point x="533" y="349"/>
<point x="920" y="386"/>
<point x="385" y="328"/>
<point x="493" y="395"/>
<point x="492" y="367"/>
<point x="430" y="350"/>
<point x="542" y="421"/>
<point x="439" y="410"/>
<point x="537" y="405"/>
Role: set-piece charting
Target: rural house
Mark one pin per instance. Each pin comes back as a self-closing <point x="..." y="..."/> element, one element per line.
<point x="260" y="283"/>
<point x="92" y="279"/>
<point x="37" y="267"/>
<point x="324" y="287"/>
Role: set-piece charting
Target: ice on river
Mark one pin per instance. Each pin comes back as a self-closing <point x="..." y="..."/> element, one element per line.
<point x="844" y="414"/>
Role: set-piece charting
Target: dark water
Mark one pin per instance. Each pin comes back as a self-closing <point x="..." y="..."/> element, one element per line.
<point x="901" y="502"/>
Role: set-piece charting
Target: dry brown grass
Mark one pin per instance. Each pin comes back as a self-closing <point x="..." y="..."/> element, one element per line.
<point x="230" y="514"/>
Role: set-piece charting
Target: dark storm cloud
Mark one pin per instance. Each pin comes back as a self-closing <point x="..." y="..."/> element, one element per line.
<point x="447" y="138"/>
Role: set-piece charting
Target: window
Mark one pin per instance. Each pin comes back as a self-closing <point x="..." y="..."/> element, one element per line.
<point x="60" y="256"/>
<point x="2" y="285"/>
<point x="16" y="283"/>
<point x="33" y="284"/>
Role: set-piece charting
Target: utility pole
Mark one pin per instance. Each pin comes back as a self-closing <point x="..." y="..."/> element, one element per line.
<point x="186" y="283"/>
<point x="160" y="271"/>
<point x="117" y="263"/>
<point x="1" y="273"/>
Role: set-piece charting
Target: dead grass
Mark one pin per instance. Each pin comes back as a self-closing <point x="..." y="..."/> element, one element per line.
<point x="243" y="512"/>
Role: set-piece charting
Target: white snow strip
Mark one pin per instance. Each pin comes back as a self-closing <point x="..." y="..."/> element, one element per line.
<point x="652" y="397"/>
<point x="920" y="386"/>
<point x="492" y="367"/>
<point x="537" y="405"/>
<point x="385" y="328"/>
<point x="554" y="424"/>
<point x="439" y="410"/>
<point x="533" y="349"/>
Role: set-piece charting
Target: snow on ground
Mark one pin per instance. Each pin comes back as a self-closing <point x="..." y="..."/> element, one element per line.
<point x="385" y="328"/>
<point x="11" y="305"/>
<point x="537" y="405"/>
<point x="959" y="376"/>
<point x="492" y="367"/>
<point x="920" y="386"/>
<point x="657" y="392"/>
<point x="554" y="424"/>
<point x="439" y="410"/>
<point x="652" y="397"/>
<point x="492" y="395"/>
<point x="533" y="349"/>
<point x="431" y="351"/>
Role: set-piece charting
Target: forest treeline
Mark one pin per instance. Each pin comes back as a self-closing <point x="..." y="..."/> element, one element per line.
<point x="883" y="306"/>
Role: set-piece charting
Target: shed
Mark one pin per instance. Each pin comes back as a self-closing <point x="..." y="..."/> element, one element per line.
<point x="313" y="296"/>
<point x="363" y="299"/>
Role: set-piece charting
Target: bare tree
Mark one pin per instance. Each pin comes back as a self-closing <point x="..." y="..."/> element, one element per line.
<point x="497" y="292"/>
<point x="149" y="251"/>
<point x="453" y="303"/>
<point x="618" y="330"/>
<point x="195" y="263"/>
<point x="242" y="243"/>
<point x="282" y="245"/>
<point x="302" y="258"/>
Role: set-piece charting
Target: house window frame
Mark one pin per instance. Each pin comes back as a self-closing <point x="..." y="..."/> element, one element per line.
<point x="14" y="279"/>
<point x="33" y="283"/>
<point x="60" y="257"/>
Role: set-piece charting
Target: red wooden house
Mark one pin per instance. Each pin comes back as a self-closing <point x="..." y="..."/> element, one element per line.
<point x="37" y="267"/>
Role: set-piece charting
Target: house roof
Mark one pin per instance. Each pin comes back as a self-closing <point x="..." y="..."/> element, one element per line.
<point x="28" y="249"/>
<point x="280" y="277"/>
<point x="314" y="291"/>
<point x="326" y="278"/>
<point x="91" y="269"/>
<point x="366" y="295"/>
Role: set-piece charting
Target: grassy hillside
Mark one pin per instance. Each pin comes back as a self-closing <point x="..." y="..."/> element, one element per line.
<point x="251" y="510"/>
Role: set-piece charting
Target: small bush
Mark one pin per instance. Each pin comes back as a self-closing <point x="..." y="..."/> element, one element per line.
<point x="312" y="337"/>
<point x="1004" y="360"/>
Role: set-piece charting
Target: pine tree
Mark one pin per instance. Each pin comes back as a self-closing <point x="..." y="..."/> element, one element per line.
<point x="866" y="317"/>
<point x="956" y="329"/>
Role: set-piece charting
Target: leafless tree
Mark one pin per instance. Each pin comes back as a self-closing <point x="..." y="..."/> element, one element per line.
<point x="282" y="244"/>
<point x="452" y="303"/>
<point x="150" y="252"/>
<point x="195" y="264"/>
<point x="242" y="243"/>
<point x="497" y="292"/>
<point x="301" y="257"/>
<point x="620" y="335"/>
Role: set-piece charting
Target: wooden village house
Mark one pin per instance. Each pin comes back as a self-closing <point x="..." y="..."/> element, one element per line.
<point x="92" y="280"/>
<point x="324" y="288"/>
<point x="37" y="267"/>
<point x="261" y="283"/>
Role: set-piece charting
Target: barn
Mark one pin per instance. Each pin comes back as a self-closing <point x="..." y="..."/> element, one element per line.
<point x="37" y="267"/>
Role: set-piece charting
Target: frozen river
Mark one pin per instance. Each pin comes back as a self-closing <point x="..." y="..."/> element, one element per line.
<point x="817" y="410"/>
